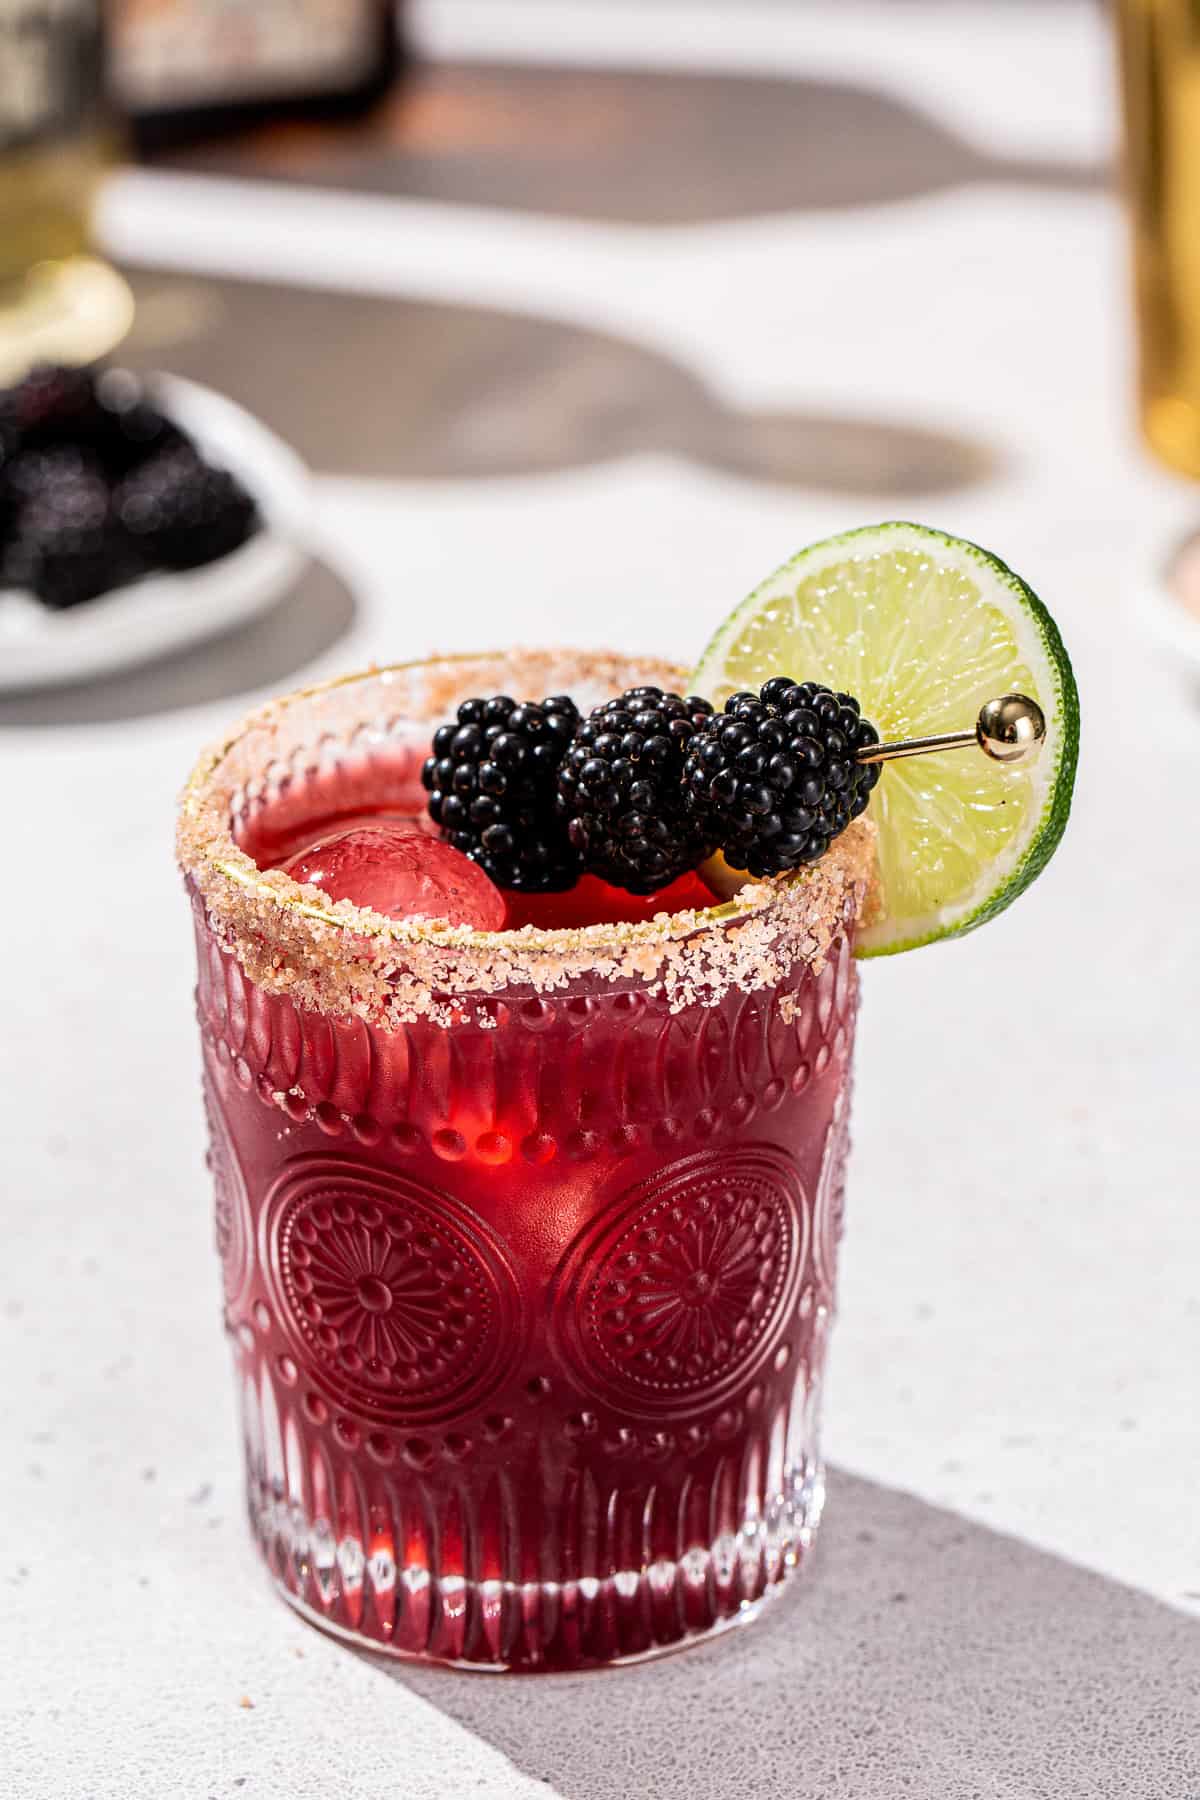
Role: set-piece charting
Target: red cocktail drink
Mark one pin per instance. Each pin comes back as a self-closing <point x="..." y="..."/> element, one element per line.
<point x="529" y="1237"/>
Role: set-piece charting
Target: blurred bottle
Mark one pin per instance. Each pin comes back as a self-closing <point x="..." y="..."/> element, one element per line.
<point x="191" y="68"/>
<point x="1160" y="72"/>
<point x="56" y="301"/>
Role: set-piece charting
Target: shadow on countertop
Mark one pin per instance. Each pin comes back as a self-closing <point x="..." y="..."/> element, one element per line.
<point x="922" y="1658"/>
<point x="307" y="622"/>
<point x="631" y="146"/>
<point x="418" y="390"/>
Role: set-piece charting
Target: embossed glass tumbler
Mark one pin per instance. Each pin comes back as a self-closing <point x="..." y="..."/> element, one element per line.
<point x="528" y="1239"/>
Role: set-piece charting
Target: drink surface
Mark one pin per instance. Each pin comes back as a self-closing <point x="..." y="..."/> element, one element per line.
<point x="530" y="1313"/>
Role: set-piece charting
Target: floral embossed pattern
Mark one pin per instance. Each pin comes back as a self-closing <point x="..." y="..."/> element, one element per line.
<point x="679" y="1289"/>
<point x="403" y="1305"/>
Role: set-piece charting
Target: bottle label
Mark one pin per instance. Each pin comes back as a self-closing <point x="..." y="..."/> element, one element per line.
<point x="50" y="70"/>
<point x="170" y="54"/>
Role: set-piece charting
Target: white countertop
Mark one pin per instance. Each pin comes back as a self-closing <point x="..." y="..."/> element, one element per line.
<point x="1020" y="1322"/>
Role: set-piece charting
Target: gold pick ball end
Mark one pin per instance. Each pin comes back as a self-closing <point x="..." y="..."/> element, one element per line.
<point x="1011" y="728"/>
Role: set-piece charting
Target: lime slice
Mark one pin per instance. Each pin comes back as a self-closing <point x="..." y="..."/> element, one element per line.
<point x="922" y="628"/>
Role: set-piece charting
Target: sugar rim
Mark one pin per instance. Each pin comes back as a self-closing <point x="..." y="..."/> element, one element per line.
<point x="233" y="886"/>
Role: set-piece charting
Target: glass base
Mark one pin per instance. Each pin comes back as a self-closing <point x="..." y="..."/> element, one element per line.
<point x="627" y="1616"/>
<point x="747" y="1612"/>
<point x="73" y="311"/>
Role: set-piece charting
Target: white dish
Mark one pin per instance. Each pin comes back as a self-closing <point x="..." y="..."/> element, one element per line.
<point x="162" y="613"/>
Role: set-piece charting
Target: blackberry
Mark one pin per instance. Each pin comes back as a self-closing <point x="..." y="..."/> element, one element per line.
<point x="491" y="785"/>
<point x="9" y="515"/>
<point x="54" y="501"/>
<point x="32" y="474"/>
<point x="127" y="430"/>
<point x="179" y="512"/>
<point x="51" y="405"/>
<point x="10" y="440"/>
<point x="66" y="545"/>
<point x="621" y="790"/>
<point x="774" y="777"/>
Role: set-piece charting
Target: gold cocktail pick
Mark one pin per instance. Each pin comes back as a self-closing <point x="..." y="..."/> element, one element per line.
<point x="1009" y="729"/>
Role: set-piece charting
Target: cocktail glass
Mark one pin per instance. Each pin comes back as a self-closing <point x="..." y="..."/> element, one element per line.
<point x="528" y="1240"/>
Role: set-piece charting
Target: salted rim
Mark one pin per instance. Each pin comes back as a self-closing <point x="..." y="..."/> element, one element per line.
<point x="346" y="958"/>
